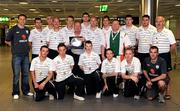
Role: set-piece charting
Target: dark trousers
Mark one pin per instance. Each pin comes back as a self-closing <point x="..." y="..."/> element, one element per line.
<point x="92" y="83"/>
<point x="112" y="83"/>
<point x="40" y="94"/>
<point x="72" y="80"/>
<point x="131" y="88"/>
<point x="52" y="53"/>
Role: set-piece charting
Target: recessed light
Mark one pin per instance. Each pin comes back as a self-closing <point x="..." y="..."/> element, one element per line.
<point x="32" y="9"/>
<point x="23" y="3"/>
<point x="54" y="1"/>
<point x="131" y="9"/>
<point x="6" y="9"/>
<point x="119" y="0"/>
<point x="58" y="10"/>
<point x="177" y="5"/>
<point x="41" y="15"/>
<point x="97" y="6"/>
<point x="36" y="12"/>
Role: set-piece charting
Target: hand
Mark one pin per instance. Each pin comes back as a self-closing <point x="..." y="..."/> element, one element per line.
<point x="134" y="78"/>
<point x="41" y="86"/>
<point x="105" y="88"/>
<point x="103" y="57"/>
<point x="36" y="85"/>
<point x="149" y="84"/>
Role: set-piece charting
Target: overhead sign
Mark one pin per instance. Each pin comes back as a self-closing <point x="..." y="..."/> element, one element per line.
<point x="103" y="8"/>
<point x="4" y="19"/>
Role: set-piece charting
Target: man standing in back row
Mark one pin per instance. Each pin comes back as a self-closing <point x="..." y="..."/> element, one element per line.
<point x="17" y="38"/>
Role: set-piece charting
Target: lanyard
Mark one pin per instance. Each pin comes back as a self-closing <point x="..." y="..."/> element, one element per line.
<point x="114" y="36"/>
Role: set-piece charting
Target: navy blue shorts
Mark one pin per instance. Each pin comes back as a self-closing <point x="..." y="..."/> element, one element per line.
<point x="167" y="58"/>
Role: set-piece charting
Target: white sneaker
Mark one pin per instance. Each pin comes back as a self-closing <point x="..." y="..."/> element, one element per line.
<point x="16" y="96"/>
<point x="115" y="95"/>
<point x="98" y="95"/>
<point x="136" y="97"/>
<point x="51" y="97"/>
<point x="29" y="94"/>
<point x="78" y="97"/>
<point x="161" y="98"/>
<point x="46" y="93"/>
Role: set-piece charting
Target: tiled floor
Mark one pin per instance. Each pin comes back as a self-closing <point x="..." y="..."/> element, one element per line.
<point x="68" y="104"/>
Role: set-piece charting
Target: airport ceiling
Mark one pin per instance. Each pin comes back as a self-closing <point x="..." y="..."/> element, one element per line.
<point x="63" y="8"/>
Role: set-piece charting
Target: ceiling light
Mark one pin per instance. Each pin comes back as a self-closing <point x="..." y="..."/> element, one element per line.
<point x="58" y="10"/>
<point x="41" y="15"/>
<point x="177" y="5"/>
<point x="97" y="6"/>
<point x="6" y="9"/>
<point x="36" y="12"/>
<point x="23" y="3"/>
<point x="32" y="9"/>
<point x="54" y="1"/>
<point x="119" y="0"/>
<point x="131" y="9"/>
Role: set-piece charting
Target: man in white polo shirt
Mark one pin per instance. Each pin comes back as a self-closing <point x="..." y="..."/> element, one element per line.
<point x="144" y="37"/>
<point x="41" y="72"/>
<point x="63" y="65"/>
<point x="85" y="24"/>
<point x="89" y="62"/>
<point x="165" y="41"/>
<point x="96" y="36"/>
<point x="36" y="38"/>
<point x="49" y="26"/>
<point x="110" y="69"/>
<point x="54" y="37"/>
<point x="130" y="30"/>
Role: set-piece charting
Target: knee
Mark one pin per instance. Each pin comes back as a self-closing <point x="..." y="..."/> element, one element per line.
<point x="161" y="84"/>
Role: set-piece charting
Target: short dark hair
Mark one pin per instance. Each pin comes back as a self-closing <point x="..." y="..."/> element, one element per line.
<point x="44" y="46"/>
<point x="22" y="15"/>
<point x="106" y="17"/>
<point x="131" y="49"/>
<point x="61" y="45"/>
<point x="109" y="49"/>
<point x="88" y="42"/>
<point x="128" y="16"/>
<point x="146" y="16"/>
<point x="85" y="13"/>
<point x="38" y="18"/>
<point x="116" y="20"/>
<point x="70" y="16"/>
<point x="154" y="47"/>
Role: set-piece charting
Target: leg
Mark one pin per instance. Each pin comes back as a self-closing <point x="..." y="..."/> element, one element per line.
<point x="16" y="66"/>
<point x="25" y="75"/>
<point x="60" y="88"/>
<point x="50" y="87"/>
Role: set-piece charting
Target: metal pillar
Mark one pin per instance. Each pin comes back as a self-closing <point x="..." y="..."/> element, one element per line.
<point x="149" y="7"/>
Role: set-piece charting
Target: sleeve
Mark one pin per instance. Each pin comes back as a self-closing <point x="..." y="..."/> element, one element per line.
<point x="102" y="37"/>
<point x="71" y="61"/>
<point x="9" y="36"/>
<point x="126" y="40"/>
<point x="98" y="60"/>
<point x="163" y="67"/>
<point x="51" y="66"/>
<point x="31" y="36"/>
<point x="32" y="67"/>
<point x="117" y="69"/>
<point x="137" y="66"/>
<point x="137" y="34"/>
<point x="123" y="68"/>
<point x="103" y="68"/>
<point x="171" y="37"/>
<point x="80" y="63"/>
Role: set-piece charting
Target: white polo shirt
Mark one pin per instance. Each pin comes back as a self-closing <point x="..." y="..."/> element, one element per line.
<point x="89" y="62"/>
<point x="97" y="39"/>
<point x="54" y="38"/>
<point x="131" y="32"/>
<point x="63" y="67"/>
<point x="85" y="28"/>
<point x="124" y="42"/>
<point x="134" y="67"/>
<point x="110" y="66"/>
<point x="38" y="39"/>
<point x="46" y="30"/>
<point x="41" y="68"/>
<point x="106" y="33"/>
<point x="68" y="33"/>
<point x="144" y="37"/>
<point x="163" y="40"/>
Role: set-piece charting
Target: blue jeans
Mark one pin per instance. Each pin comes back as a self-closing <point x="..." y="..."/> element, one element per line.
<point x="20" y="64"/>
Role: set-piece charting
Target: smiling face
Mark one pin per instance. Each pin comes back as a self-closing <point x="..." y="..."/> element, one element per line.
<point x="22" y="20"/>
<point x="129" y="55"/>
<point x="44" y="52"/>
<point x="56" y="22"/>
<point x="129" y="21"/>
<point x="109" y="54"/>
<point x="115" y="26"/>
<point x="145" y="21"/>
<point x="160" y="22"/>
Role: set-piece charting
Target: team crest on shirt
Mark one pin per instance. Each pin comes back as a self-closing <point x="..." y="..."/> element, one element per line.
<point x="148" y="65"/>
<point x="27" y="31"/>
<point x="17" y="32"/>
<point x="157" y="66"/>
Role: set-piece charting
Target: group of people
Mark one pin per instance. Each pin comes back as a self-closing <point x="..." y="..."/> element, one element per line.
<point x="91" y="60"/>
